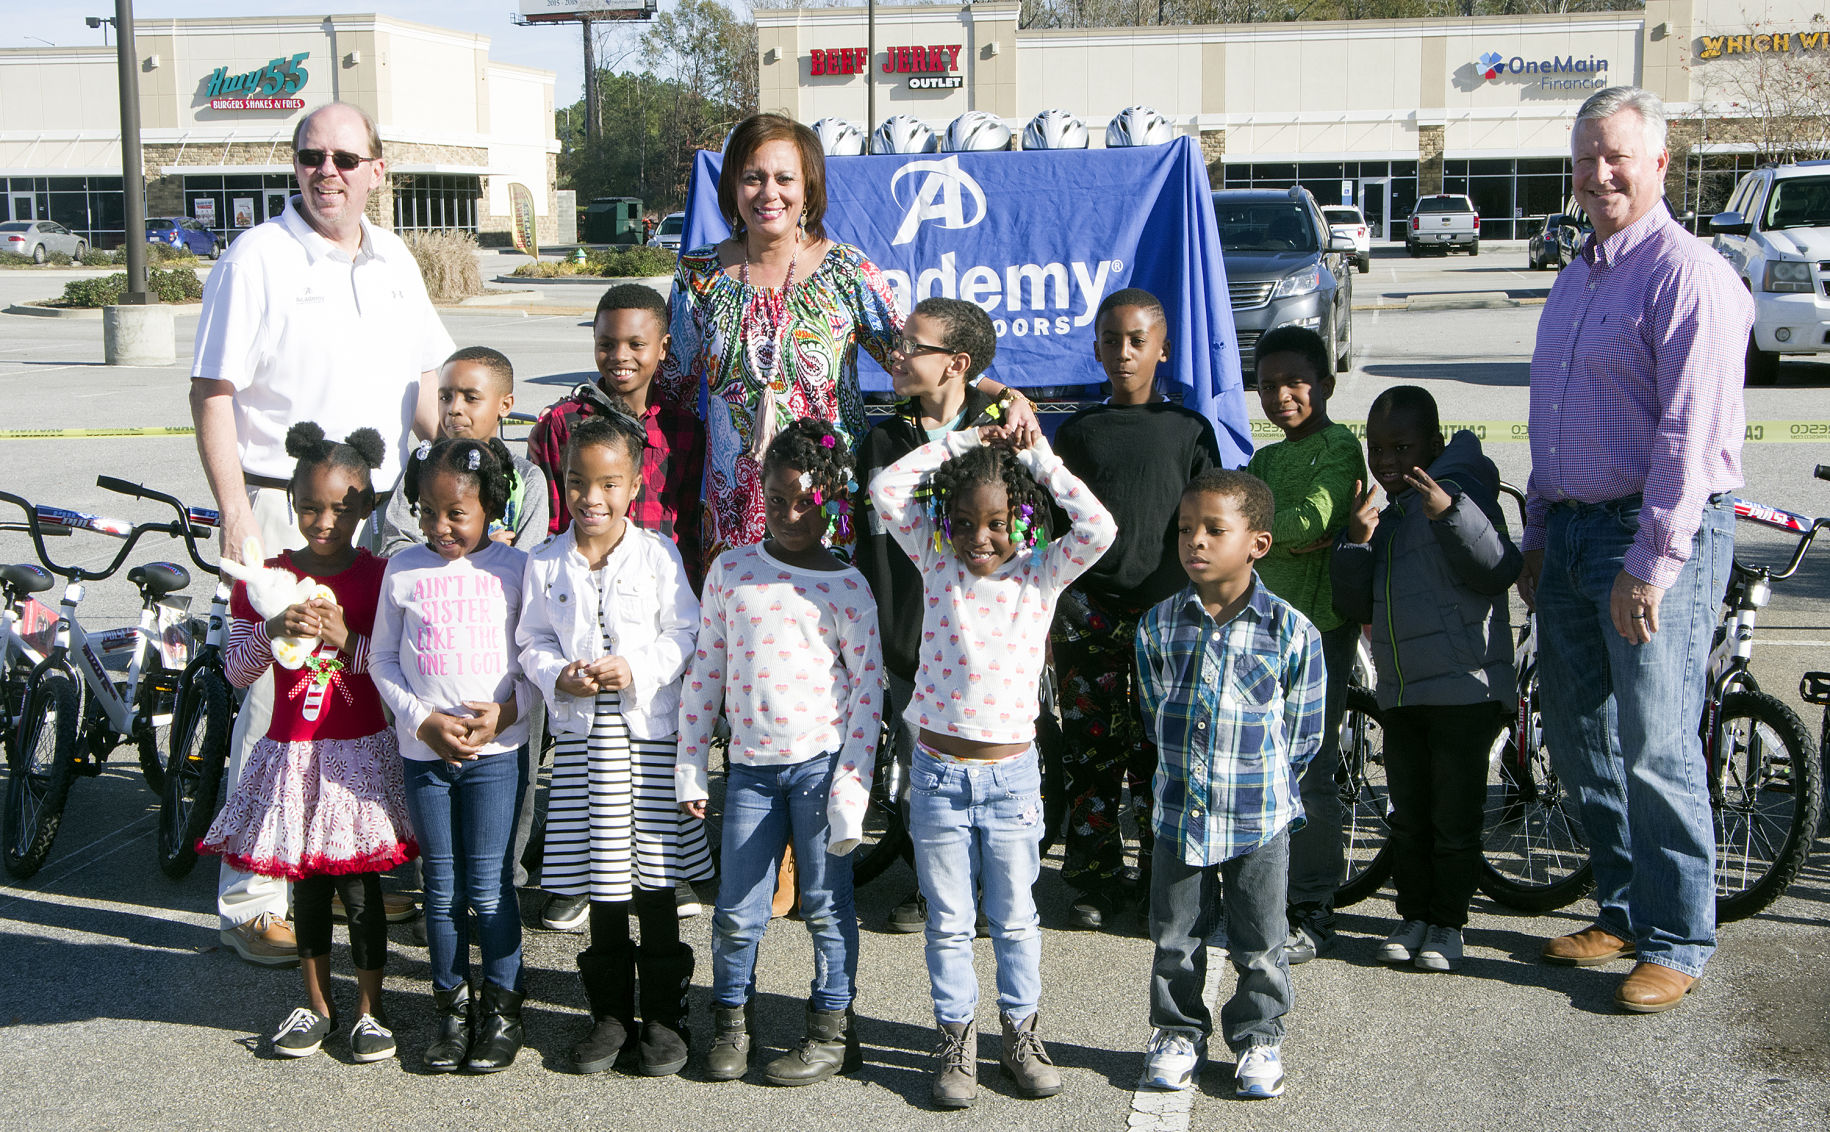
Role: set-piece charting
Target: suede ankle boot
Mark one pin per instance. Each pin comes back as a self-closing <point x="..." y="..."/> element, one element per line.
<point x="956" y="1066"/>
<point x="665" y="975"/>
<point x="609" y="977"/>
<point x="1025" y="1062"/>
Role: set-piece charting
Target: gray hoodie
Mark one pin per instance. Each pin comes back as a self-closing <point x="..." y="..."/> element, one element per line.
<point x="1434" y="591"/>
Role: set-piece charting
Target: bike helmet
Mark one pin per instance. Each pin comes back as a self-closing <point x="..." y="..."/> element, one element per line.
<point x="976" y="130"/>
<point x="1055" y="129"/>
<point x="839" y="138"/>
<point x="1138" y="125"/>
<point x="903" y="133"/>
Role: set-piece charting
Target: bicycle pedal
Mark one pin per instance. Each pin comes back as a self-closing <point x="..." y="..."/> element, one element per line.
<point x="1815" y="688"/>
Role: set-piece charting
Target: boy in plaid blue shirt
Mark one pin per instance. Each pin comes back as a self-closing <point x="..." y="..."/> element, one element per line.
<point x="1233" y="689"/>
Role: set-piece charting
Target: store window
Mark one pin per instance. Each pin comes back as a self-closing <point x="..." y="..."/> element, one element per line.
<point x="230" y="204"/>
<point x="89" y="206"/>
<point x="425" y="202"/>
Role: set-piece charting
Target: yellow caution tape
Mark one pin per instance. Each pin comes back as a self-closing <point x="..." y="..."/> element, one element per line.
<point x="91" y="433"/>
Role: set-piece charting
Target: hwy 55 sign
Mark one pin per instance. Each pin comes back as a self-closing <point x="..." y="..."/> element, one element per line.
<point x="264" y="88"/>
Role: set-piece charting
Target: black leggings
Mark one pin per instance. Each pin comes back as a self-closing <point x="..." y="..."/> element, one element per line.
<point x="654" y="911"/>
<point x="368" y="920"/>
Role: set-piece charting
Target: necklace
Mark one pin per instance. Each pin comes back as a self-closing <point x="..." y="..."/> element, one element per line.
<point x="765" y="354"/>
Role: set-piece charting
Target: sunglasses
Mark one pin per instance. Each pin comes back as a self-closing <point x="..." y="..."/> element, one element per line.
<point x="344" y="161"/>
<point x="909" y="348"/>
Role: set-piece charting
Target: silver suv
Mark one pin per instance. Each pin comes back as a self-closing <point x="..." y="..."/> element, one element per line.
<point x="1776" y="233"/>
<point x="1284" y="267"/>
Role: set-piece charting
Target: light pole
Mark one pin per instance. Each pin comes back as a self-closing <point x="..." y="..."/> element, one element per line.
<point x="101" y="22"/>
<point x="133" y="172"/>
<point x="870" y="77"/>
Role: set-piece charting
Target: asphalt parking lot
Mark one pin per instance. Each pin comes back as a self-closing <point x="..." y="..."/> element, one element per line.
<point x="118" y="1008"/>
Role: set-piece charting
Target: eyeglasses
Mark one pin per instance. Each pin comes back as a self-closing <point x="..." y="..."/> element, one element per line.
<point x="343" y="160"/>
<point x="909" y="348"/>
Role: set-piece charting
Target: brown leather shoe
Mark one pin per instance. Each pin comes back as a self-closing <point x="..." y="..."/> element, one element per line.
<point x="1589" y="948"/>
<point x="1650" y="988"/>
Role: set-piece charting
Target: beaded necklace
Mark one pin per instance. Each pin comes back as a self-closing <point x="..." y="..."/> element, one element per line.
<point x="764" y="366"/>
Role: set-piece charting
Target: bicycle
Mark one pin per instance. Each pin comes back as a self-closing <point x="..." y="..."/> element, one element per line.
<point x="73" y="713"/>
<point x="1765" y="791"/>
<point x="1359" y="779"/>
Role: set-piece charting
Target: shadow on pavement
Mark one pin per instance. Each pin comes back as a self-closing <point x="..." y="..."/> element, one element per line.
<point x="1468" y="373"/>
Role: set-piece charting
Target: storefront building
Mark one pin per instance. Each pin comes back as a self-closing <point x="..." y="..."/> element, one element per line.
<point x="1371" y="112"/>
<point x="219" y="99"/>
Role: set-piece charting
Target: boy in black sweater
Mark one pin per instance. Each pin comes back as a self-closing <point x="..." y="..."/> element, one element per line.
<point x="945" y="345"/>
<point x="1137" y="452"/>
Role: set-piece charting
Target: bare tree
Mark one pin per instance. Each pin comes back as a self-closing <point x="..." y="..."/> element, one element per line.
<point x="1776" y="84"/>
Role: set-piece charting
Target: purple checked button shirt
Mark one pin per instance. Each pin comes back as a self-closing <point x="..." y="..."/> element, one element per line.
<point x="1636" y="387"/>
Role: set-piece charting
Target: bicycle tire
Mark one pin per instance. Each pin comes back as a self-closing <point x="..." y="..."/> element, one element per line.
<point x="1534" y="854"/>
<point x="199" y="754"/>
<point x="1767" y="816"/>
<point x="1365" y="801"/>
<point x="38" y="787"/>
<point x="158" y="695"/>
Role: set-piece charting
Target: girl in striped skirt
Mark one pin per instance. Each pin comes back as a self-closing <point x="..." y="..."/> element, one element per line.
<point x="607" y="626"/>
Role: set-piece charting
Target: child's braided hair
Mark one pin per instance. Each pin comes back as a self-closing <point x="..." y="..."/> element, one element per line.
<point x="361" y="452"/>
<point x="814" y="448"/>
<point x="989" y="464"/>
<point x="488" y="464"/>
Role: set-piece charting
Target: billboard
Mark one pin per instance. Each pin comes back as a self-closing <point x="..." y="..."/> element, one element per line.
<point x="537" y="11"/>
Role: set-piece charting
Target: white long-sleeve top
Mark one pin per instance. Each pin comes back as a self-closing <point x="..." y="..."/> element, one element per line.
<point x="792" y="657"/>
<point x="648" y="607"/>
<point x="982" y="639"/>
<point x="444" y="635"/>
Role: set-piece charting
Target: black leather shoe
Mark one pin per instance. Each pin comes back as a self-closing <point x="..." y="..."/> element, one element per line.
<point x="497" y="1036"/>
<point x="447" y="1052"/>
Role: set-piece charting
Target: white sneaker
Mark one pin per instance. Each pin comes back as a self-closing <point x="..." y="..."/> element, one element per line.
<point x="1401" y="946"/>
<point x="1172" y="1059"/>
<point x="1260" y="1075"/>
<point x="1441" y="950"/>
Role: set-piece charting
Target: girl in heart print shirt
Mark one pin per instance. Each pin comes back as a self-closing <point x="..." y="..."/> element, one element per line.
<point x="788" y="649"/>
<point x="970" y="510"/>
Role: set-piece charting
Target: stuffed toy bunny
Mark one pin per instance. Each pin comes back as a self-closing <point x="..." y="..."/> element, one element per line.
<point x="271" y="591"/>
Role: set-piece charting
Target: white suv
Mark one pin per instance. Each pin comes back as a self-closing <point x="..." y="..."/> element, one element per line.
<point x="1776" y="232"/>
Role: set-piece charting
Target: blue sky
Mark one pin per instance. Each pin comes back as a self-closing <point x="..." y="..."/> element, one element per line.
<point x="27" y="23"/>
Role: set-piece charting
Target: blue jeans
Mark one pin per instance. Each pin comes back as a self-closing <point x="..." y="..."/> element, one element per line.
<point x="465" y="818"/>
<point x="1185" y="900"/>
<point x="1621" y="721"/>
<point x="979" y="827"/>
<point x="764" y="806"/>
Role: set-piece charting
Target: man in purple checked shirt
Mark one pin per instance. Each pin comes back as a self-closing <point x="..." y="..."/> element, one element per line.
<point x="1636" y="426"/>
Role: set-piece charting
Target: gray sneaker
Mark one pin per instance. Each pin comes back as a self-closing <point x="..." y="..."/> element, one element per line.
<point x="369" y="1040"/>
<point x="686" y="902"/>
<point x="1402" y="945"/>
<point x="302" y="1033"/>
<point x="1441" y="950"/>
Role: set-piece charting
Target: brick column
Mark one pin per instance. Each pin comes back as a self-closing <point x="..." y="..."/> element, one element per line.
<point x="1213" y="152"/>
<point x="1429" y="159"/>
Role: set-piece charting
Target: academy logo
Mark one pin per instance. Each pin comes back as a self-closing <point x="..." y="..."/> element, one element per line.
<point x="945" y="195"/>
<point x="1491" y="65"/>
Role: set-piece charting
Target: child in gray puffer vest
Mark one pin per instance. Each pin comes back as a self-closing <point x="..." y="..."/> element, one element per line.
<point x="1430" y="574"/>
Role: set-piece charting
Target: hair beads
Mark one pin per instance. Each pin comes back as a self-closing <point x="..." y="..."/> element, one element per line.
<point x="814" y="449"/>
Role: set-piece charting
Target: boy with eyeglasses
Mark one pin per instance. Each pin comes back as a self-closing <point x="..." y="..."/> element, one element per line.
<point x="946" y="345"/>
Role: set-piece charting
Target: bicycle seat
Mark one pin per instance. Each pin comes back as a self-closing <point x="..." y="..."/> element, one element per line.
<point x="25" y="578"/>
<point x="156" y="579"/>
<point x="1815" y="688"/>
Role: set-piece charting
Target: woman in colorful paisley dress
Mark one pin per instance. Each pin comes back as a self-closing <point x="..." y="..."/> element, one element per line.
<point x="766" y="326"/>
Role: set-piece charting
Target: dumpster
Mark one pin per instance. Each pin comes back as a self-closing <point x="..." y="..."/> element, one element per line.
<point x="613" y="220"/>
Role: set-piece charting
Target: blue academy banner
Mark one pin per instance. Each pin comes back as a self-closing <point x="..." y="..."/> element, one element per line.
<point x="1037" y="238"/>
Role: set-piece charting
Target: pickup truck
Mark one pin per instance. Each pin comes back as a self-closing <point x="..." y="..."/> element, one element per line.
<point x="1443" y="221"/>
<point x="1775" y="232"/>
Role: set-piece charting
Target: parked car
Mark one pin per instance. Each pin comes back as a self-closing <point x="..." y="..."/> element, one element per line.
<point x="40" y="239"/>
<point x="1345" y="220"/>
<point x="185" y="234"/>
<point x="1446" y="221"/>
<point x="1284" y="266"/>
<point x="1776" y="233"/>
<point x="1558" y="241"/>
<point x="667" y="233"/>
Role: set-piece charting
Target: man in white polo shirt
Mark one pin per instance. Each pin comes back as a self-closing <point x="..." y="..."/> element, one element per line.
<point x="316" y="315"/>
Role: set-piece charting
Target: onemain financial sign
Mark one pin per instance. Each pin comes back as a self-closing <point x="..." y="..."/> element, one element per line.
<point x="1559" y="72"/>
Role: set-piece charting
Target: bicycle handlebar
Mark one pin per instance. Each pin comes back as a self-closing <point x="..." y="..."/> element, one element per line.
<point x="192" y="521"/>
<point x="1822" y="472"/>
<point x="37" y="517"/>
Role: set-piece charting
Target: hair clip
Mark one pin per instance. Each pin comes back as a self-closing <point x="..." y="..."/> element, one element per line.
<point x="424" y="450"/>
<point x="851" y="486"/>
<point x="828" y="441"/>
<point x="817" y="500"/>
<point x="806" y="482"/>
<point x="474" y="460"/>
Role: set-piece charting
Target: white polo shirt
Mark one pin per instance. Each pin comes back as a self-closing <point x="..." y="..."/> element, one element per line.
<point x="305" y="333"/>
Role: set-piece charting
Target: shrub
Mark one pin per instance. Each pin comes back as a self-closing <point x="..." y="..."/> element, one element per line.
<point x="448" y="264"/>
<point x="95" y="257"/>
<point x="614" y="263"/>
<point x="176" y="285"/>
<point x="162" y="253"/>
<point x="14" y="259"/>
<point x="58" y="259"/>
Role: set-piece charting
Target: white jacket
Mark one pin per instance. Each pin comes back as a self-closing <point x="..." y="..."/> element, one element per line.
<point x="651" y="613"/>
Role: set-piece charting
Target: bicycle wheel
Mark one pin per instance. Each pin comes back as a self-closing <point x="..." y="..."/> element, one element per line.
<point x="1365" y="802"/>
<point x="199" y="751"/>
<point x="1770" y="797"/>
<point x="38" y="786"/>
<point x="158" y="695"/>
<point x="886" y="827"/>
<point x="1534" y="856"/>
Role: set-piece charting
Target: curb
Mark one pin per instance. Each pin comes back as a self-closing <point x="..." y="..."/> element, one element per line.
<point x="661" y="283"/>
<point x="1474" y="300"/>
<point x="35" y="310"/>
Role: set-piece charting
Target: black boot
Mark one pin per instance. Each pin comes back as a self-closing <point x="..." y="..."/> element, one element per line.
<point x="831" y="1046"/>
<point x="497" y="1038"/>
<point x="609" y="977"/>
<point x="447" y="1052"/>
<point x="729" y="1057"/>
<point x="665" y="975"/>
